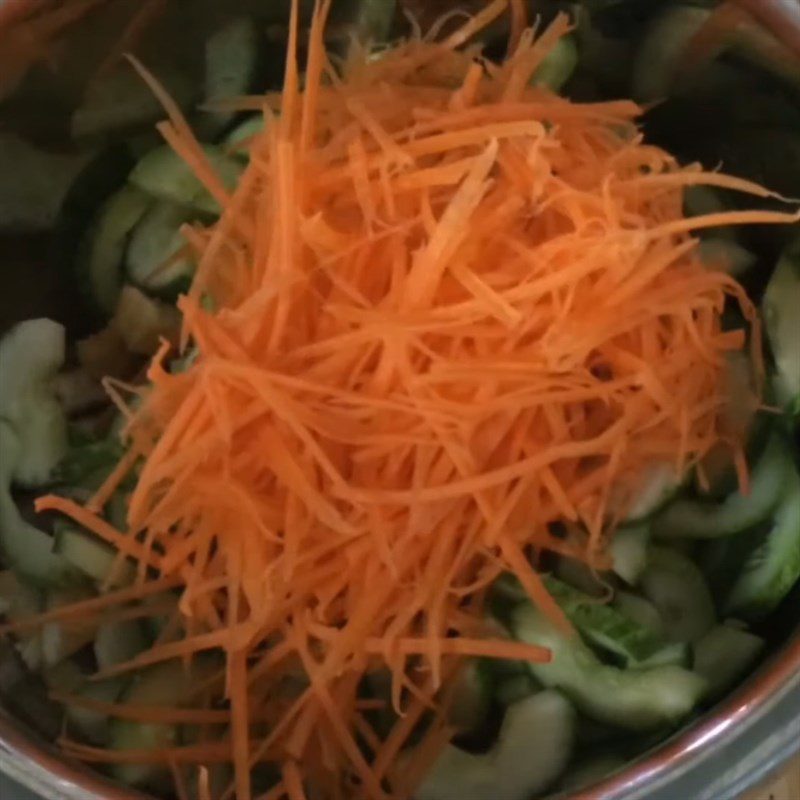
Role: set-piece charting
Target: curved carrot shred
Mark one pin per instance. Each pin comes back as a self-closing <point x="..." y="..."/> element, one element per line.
<point x="451" y="308"/>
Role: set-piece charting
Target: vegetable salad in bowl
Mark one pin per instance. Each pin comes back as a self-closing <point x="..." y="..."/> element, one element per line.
<point x="430" y="428"/>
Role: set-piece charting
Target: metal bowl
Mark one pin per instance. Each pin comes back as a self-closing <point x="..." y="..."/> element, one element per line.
<point x="733" y="747"/>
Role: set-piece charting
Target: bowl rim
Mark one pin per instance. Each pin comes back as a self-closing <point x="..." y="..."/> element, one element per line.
<point x="775" y="687"/>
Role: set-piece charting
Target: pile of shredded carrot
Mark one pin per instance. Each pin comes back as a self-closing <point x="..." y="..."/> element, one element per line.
<point x="443" y="309"/>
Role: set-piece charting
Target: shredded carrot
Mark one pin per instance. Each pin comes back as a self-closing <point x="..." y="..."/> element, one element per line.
<point x="449" y="309"/>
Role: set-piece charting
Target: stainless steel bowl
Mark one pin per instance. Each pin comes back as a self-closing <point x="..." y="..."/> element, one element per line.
<point x="733" y="747"/>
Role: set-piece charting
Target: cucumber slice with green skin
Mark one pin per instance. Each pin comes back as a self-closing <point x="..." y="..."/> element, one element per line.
<point x="164" y="175"/>
<point x="26" y="549"/>
<point x="167" y="684"/>
<point x="152" y="261"/>
<point x="724" y="655"/>
<point x="641" y="611"/>
<point x="88" y="554"/>
<point x="705" y="520"/>
<point x="31" y="354"/>
<point x="629" y="552"/>
<point x="675" y="585"/>
<point x="62" y="639"/>
<point x="101" y="254"/>
<point x="88" y="725"/>
<point x="773" y="568"/>
<point x="81" y="466"/>
<point x="559" y="64"/>
<point x="657" y="488"/>
<point x="532" y="749"/>
<point x="118" y="642"/>
<point x="473" y="696"/>
<point x="634" y="699"/>
<point x="612" y="632"/>
<point x="236" y="141"/>
<point x="233" y="66"/>
<point x="780" y="308"/>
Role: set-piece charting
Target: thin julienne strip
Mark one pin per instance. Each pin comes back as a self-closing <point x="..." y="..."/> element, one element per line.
<point x="518" y="260"/>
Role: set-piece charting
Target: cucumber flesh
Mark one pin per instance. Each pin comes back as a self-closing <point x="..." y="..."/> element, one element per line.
<point x="118" y="642"/>
<point x="634" y="699"/>
<point x="704" y="520"/>
<point x="611" y="632"/>
<point x="724" y="655"/>
<point x="558" y="65"/>
<point x="167" y="684"/>
<point x="164" y="175"/>
<point x="26" y="549"/>
<point x="93" y="557"/>
<point x="780" y="304"/>
<point x="677" y="588"/>
<point x="61" y="639"/>
<point x="92" y="726"/>
<point x="773" y="568"/>
<point x="101" y="254"/>
<point x="232" y="62"/>
<point x="629" y="552"/>
<point x="31" y="354"/>
<point x="639" y="610"/>
<point x="237" y="141"/>
<point x="514" y="688"/>
<point x="658" y="486"/>
<point x="152" y="261"/>
<point x="533" y="748"/>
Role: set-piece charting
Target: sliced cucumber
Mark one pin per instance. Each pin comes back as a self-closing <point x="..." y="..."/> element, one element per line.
<point x="606" y="628"/>
<point x="634" y="699"/>
<point x="26" y="549"/>
<point x="92" y="726"/>
<point x="657" y="487"/>
<point x="773" y="568"/>
<point x="780" y="307"/>
<point x="704" y="520"/>
<point x="153" y="261"/>
<point x="558" y="65"/>
<point x="237" y="140"/>
<point x="581" y="576"/>
<point x="163" y="174"/>
<point x="640" y="610"/>
<point x="233" y="66"/>
<point x="473" y="696"/>
<point x="85" y="466"/>
<point x="629" y="552"/>
<point x="101" y="254"/>
<point x="533" y="748"/>
<point x="724" y="655"/>
<point x="167" y="684"/>
<point x="31" y="354"/>
<point x="62" y="639"/>
<point x="118" y="642"/>
<point x="93" y="557"/>
<point x="677" y="588"/>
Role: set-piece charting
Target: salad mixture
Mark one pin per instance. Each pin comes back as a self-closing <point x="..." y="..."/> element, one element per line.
<point x="431" y="429"/>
